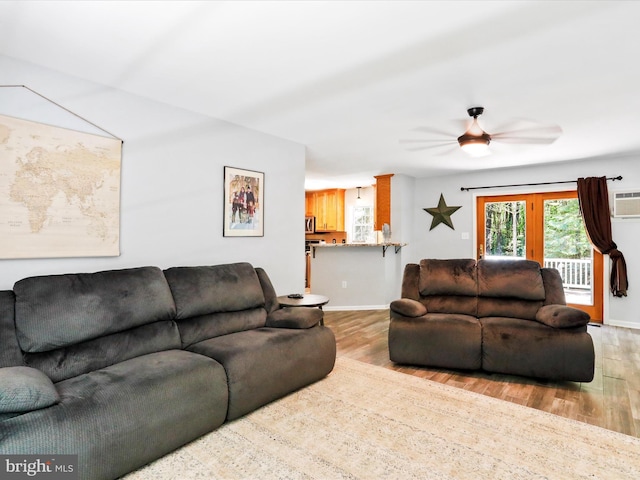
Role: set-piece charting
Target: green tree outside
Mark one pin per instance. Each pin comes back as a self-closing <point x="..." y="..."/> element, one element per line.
<point x="564" y="233"/>
<point x="505" y="229"/>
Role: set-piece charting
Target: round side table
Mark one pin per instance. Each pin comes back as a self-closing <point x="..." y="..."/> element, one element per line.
<point x="307" y="300"/>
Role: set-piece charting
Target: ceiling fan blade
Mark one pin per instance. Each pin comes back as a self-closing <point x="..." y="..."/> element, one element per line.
<point x="424" y="140"/>
<point x="524" y="140"/>
<point x="419" y="149"/>
<point x="446" y="151"/>
<point x="537" y="135"/>
<point x="547" y="130"/>
<point x="462" y="125"/>
<point x="437" y="131"/>
<point x="427" y="147"/>
<point x="416" y="145"/>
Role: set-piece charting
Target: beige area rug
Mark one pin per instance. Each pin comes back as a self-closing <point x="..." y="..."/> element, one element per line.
<point x="367" y="422"/>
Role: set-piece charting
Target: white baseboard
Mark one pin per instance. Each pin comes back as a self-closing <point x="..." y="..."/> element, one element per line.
<point x="328" y="308"/>
<point x="622" y="323"/>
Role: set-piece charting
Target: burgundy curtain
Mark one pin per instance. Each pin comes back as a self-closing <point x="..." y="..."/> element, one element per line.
<point x="593" y="197"/>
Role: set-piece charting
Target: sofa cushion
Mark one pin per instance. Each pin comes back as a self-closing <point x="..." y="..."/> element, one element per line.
<point x="10" y="354"/>
<point x="264" y="364"/>
<point x="23" y="389"/>
<point x="522" y="347"/>
<point x="295" y="317"/>
<point x="211" y="289"/>
<point x="195" y="329"/>
<point x="451" y="304"/>
<point x="553" y="287"/>
<point x="59" y="310"/>
<point x="508" y="307"/>
<point x="270" y="296"/>
<point x="127" y="415"/>
<point x="561" y="316"/>
<point x="85" y="357"/>
<point x="408" y="307"/>
<point x="438" y="340"/>
<point x="411" y="281"/>
<point x="448" y="277"/>
<point x="504" y="278"/>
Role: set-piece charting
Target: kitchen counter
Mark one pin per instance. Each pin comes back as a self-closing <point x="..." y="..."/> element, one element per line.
<point x="396" y="245"/>
<point x="357" y="276"/>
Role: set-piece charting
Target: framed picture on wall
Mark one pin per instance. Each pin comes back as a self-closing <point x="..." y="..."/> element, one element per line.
<point x="243" y="203"/>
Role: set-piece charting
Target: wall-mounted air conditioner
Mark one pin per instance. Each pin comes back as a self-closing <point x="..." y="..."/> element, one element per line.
<point x="626" y="204"/>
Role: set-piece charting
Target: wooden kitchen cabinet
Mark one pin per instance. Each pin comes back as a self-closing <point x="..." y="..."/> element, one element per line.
<point x="382" y="201"/>
<point x="310" y="204"/>
<point x="328" y="208"/>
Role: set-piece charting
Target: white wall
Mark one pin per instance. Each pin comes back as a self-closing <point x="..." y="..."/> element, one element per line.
<point x="402" y="211"/>
<point x="356" y="278"/>
<point x="172" y="184"/>
<point x="443" y="242"/>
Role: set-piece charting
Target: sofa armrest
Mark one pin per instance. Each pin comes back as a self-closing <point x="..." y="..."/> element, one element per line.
<point x="562" y="316"/>
<point x="23" y="389"/>
<point x="295" y="317"/>
<point x="408" y="307"/>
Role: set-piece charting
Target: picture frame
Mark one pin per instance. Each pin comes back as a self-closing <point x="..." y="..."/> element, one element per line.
<point x="243" y="203"/>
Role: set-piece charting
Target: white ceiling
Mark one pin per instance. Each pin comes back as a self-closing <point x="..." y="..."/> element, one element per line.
<point x="349" y="79"/>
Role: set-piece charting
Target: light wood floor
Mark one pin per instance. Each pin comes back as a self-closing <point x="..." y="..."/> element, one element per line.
<point x="611" y="400"/>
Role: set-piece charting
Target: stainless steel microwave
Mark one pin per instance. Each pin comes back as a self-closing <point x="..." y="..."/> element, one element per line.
<point x="309" y="224"/>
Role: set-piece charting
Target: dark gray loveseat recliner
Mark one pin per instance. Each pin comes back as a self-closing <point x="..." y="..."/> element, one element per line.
<point x="502" y="316"/>
<point x="121" y="367"/>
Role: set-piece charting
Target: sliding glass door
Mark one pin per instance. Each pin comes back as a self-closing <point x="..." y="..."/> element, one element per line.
<point x="547" y="228"/>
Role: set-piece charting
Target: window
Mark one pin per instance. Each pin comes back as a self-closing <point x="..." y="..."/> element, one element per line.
<point x="504" y="229"/>
<point x="362" y="224"/>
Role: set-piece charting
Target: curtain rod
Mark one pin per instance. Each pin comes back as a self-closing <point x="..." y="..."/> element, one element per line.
<point x="63" y="108"/>
<point x="463" y="189"/>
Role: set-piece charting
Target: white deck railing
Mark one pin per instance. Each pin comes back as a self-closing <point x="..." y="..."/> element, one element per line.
<point x="575" y="273"/>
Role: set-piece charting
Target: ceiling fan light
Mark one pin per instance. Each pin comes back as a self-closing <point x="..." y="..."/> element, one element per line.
<point x="476" y="146"/>
<point x="476" y="149"/>
<point x="475" y="141"/>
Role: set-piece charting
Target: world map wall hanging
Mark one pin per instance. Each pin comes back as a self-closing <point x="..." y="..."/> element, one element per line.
<point x="59" y="191"/>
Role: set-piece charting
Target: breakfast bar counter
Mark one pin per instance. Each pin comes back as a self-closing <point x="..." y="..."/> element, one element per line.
<point x="357" y="275"/>
<point x="384" y="246"/>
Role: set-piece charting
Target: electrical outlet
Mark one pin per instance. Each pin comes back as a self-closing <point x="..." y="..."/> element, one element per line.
<point x="344" y="284"/>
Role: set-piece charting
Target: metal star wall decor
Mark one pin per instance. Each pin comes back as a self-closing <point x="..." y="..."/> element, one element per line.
<point x="441" y="214"/>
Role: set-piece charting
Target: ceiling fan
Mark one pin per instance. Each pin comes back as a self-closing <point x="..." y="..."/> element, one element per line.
<point x="475" y="141"/>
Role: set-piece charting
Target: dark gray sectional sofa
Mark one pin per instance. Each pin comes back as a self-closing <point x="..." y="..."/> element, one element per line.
<point x="502" y="316"/>
<point x="121" y="367"/>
